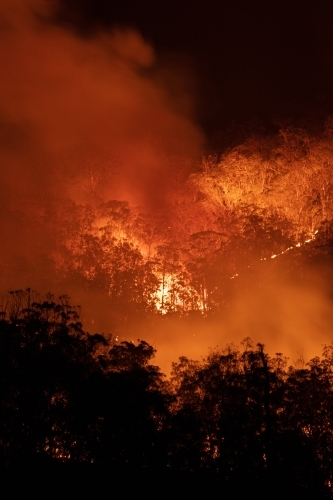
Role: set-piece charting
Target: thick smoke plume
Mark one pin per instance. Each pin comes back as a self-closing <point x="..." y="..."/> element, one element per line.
<point x="75" y="108"/>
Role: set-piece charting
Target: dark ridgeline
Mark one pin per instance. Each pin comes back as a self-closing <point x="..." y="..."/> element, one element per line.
<point x="79" y="412"/>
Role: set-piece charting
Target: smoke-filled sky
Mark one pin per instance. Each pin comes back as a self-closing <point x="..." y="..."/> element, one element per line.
<point x="69" y="103"/>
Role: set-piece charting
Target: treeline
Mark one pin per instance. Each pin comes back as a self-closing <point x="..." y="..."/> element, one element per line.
<point x="78" y="407"/>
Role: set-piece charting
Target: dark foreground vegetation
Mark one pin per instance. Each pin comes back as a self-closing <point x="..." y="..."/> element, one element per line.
<point x="83" y="412"/>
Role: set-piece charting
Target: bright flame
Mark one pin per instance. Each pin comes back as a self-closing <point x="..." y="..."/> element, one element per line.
<point x="172" y="296"/>
<point x="312" y="238"/>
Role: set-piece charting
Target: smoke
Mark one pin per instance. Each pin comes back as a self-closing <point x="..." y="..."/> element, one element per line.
<point x="290" y="314"/>
<point x="79" y="118"/>
<point x="80" y="104"/>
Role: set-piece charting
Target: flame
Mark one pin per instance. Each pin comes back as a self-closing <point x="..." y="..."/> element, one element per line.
<point x="298" y="245"/>
<point x="163" y="293"/>
<point x="172" y="296"/>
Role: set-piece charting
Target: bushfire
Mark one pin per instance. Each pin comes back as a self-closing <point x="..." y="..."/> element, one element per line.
<point x="112" y="194"/>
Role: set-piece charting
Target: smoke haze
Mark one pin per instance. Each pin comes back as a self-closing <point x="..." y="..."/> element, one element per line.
<point x="290" y="316"/>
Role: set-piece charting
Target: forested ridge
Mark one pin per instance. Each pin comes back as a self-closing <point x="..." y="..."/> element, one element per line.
<point x="246" y="202"/>
<point x="80" y="408"/>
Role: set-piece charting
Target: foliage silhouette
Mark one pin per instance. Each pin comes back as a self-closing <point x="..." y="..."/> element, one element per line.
<point x="79" y="407"/>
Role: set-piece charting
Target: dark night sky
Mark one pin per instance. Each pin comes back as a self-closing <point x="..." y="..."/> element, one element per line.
<point x="251" y="58"/>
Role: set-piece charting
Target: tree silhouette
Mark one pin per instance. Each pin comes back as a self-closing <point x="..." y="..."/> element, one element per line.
<point x="237" y="418"/>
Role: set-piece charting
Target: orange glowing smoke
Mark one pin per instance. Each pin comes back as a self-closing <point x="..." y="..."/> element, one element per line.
<point x="75" y="108"/>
